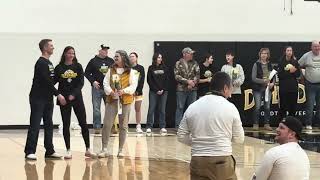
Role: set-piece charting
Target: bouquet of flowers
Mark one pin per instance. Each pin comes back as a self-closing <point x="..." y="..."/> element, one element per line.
<point x="116" y="81"/>
<point x="288" y="67"/>
<point x="208" y="74"/>
<point x="117" y="86"/>
<point x="234" y="73"/>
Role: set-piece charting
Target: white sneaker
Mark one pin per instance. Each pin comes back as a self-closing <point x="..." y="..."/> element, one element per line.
<point x="120" y="154"/>
<point x="68" y="155"/>
<point x="75" y="126"/>
<point x="163" y="131"/>
<point x="139" y="130"/>
<point x="31" y="157"/>
<point x="103" y="154"/>
<point x="90" y="154"/>
<point x="54" y="156"/>
<point x="148" y="130"/>
<point x="309" y="127"/>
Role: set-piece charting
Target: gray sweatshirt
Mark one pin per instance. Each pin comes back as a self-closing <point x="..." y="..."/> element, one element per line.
<point x="312" y="64"/>
<point x="237" y="76"/>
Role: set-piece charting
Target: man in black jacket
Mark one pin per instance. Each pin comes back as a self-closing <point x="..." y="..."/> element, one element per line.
<point x="95" y="73"/>
<point x="41" y="103"/>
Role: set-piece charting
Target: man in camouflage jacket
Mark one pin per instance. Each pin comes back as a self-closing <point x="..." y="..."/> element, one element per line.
<point x="187" y="75"/>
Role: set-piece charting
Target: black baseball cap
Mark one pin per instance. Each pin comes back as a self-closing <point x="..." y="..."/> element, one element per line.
<point x="294" y="124"/>
<point x="104" y="47"/>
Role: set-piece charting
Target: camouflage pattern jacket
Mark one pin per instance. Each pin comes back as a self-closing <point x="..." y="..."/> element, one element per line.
<point x="186" y="71"/>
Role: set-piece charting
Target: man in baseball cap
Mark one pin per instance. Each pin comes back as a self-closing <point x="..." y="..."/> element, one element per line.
<point x="187" y="75"/>
<point x="95" y="72"/>
<point x="103" y="47"/>
<point x="187" y="50"/>
<point x="289" y="160"/>
<point x="294" y="127"/>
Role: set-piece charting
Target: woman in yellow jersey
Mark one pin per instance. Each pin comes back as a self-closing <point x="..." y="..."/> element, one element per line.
<point x="120" y="83"/>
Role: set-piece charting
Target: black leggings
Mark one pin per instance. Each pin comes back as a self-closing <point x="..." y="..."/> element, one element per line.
<point x="288" y="102"/>
<point x="79" y="109"/>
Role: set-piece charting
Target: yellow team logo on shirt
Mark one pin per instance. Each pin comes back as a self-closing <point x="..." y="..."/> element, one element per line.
<point x="104" y="69"/>
<point x="69" y="74"/>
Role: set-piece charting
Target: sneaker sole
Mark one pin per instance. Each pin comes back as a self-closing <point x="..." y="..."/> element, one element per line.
<point x="67" y="157"/>
<point x="52" y="157"/>
<point x="120" y="156"/>
<point x="104" y="156"/>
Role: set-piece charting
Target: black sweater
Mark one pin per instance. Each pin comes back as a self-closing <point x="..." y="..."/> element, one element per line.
<point x="158" y="77"/>
<point x="43" y="80"/>
<point x="97" y="69"/>
<point x="70" y="79"/>
<point x="204" y="88"/>
<point x="140" y="69"/>
<point x="288" y="81"/>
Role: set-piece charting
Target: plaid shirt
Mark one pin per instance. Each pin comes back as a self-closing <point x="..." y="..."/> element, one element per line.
<point x="184" y="71"/>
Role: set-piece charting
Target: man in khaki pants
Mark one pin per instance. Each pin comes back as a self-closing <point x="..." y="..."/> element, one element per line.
<point x="209" y="126"/>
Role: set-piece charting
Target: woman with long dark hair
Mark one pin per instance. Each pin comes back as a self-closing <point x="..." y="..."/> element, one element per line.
<point x="138" y="95"/>
<point x="288" y="72"/>
<point x="235" y="71"/>
<point x="70" y="77"/>
<point x="120" y="84"/>
<point x="157" y="79"/>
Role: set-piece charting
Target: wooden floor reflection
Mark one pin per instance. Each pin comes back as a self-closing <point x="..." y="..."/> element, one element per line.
<point x="109" y="168"/>
<point x="153" y="158"/>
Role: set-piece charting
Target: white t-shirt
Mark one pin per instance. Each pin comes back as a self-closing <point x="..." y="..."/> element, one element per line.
<point x="284" y="162"/>
<point x="209" y="125"/>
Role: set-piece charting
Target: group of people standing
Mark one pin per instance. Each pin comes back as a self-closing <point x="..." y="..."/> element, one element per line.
<point x="193" y="79"/>
<point x="118" y="82"/>
<point x="212" y="123"/>
<point x="209" y="125"/>
<point x="193" y="82"/>
<point x="289" y="70"/>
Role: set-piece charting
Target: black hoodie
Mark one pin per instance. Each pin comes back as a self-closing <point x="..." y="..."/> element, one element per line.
<point x="70" y="79"/>
<point x="158" y="77"/>
<point x="97" y="69"/>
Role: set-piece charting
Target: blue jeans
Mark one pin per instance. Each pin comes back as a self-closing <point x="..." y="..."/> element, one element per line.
<point x="258" y="97"/>
<point x="184" y="98"/>
<point x="97" y="95"/>
<point x="161" y="101"/>
<point x="313" y="96"/>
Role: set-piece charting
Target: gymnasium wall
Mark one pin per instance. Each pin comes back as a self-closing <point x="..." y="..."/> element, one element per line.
<point x="133" y="26"/>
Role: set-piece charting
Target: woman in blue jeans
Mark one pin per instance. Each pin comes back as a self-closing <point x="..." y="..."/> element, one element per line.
<point x="260" y="81"/>
<point x="157" y="79"/>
